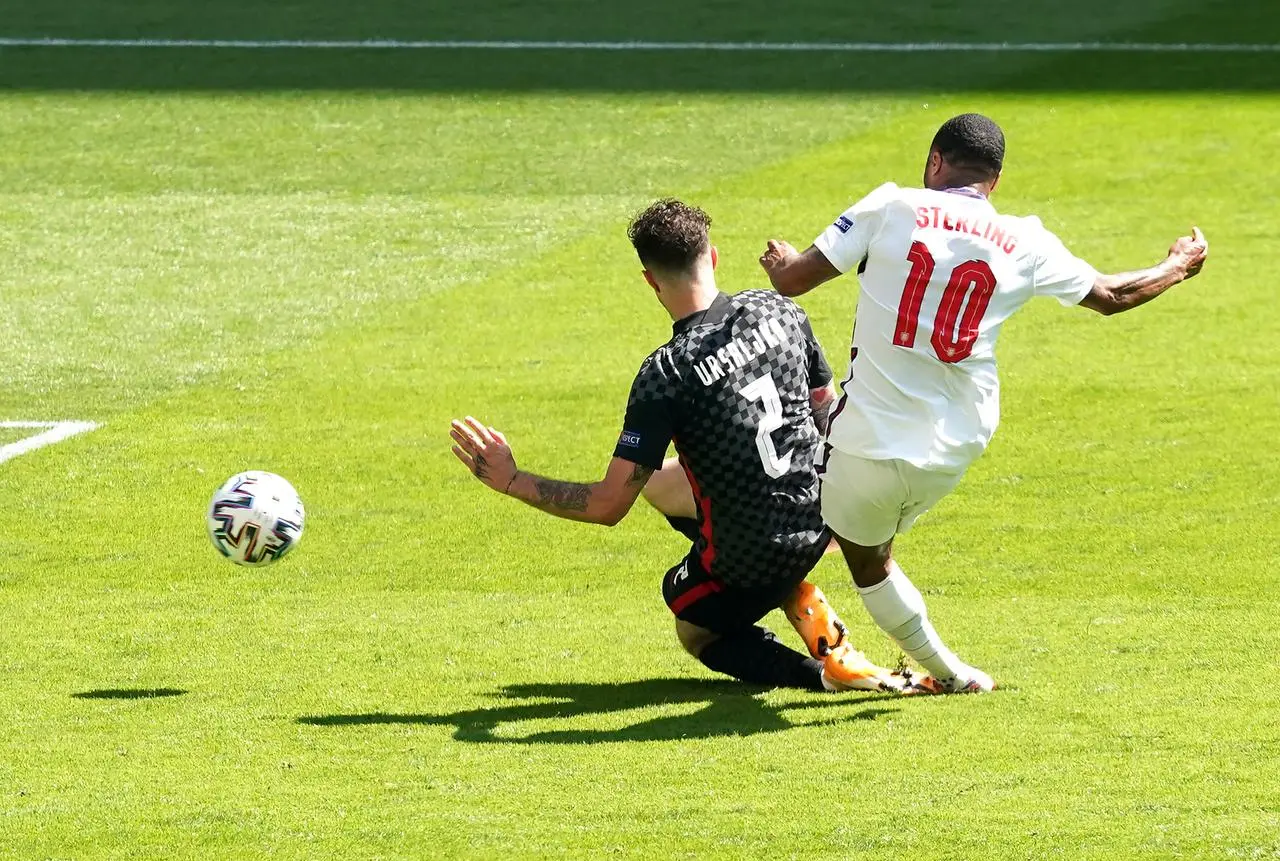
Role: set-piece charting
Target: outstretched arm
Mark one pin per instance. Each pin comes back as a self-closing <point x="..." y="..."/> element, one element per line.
<point x="792" y="273"/>
<point x="1112" y="294"/>
<point x="484" y="451"/>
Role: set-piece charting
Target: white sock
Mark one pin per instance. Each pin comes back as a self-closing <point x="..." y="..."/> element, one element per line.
<point x="898" y="608"/>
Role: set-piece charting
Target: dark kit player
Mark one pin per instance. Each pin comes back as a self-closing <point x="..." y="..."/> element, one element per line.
<point x="735" y="390"/>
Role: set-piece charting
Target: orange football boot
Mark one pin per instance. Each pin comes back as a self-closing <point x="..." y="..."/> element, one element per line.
<point x="844" y="668"/>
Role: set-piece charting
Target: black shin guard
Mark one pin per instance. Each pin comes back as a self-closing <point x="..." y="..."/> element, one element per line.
<point x="755" y="656"/>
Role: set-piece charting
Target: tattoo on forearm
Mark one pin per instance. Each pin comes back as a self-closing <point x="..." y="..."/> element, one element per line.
<point x="1133" y="282"/>
<point x="565" y="495"/>
<point x="820" y="413"/>
<point x="820" y="402"/>
<point x="1131" y="289"/>
<point x="640" y="475"/>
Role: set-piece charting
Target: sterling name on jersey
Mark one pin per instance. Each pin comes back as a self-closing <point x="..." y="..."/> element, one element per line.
<point x="731" y="390"/>
<point x="940" y="273"/>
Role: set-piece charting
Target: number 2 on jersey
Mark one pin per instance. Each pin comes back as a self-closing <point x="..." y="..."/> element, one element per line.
<point x="764" y="390"/>
<point x="964" y="300"/>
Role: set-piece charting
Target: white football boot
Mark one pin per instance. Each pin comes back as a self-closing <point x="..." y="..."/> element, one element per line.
<point x="972" y="681"/>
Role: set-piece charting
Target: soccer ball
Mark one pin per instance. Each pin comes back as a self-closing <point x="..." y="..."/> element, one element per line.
<point x="255" y="518"/>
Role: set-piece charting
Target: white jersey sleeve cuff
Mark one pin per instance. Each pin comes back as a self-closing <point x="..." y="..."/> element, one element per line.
<point x="829" y="245"/>
<point x="1083" y="286"/>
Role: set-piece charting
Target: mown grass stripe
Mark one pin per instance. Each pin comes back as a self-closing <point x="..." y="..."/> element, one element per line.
<point x="538" y="45"/>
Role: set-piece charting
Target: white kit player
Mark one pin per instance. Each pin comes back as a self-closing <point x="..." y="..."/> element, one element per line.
<point x="941" y="271"/>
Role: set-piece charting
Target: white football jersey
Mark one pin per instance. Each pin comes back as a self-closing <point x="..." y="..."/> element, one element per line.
<point x="940" y="272"/>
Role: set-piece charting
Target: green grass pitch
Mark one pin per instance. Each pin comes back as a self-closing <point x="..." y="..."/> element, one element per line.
<point x="308" y="262"/>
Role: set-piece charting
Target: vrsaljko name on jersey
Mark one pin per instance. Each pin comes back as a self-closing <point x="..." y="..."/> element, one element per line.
<point x="740" y="351"/>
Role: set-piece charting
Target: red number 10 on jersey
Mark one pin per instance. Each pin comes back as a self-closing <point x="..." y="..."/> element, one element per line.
<point x="964" y="301"/>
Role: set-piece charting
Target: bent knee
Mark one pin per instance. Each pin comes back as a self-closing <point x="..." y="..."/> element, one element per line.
<point x="693" y="638"/>
<point x="868" y="565"/>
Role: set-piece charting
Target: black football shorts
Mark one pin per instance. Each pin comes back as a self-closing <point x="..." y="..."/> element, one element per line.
<point x="696" y="597"/>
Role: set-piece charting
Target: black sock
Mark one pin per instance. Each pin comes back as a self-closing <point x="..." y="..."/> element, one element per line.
<point x="686" y="526"/>
<point x="755" y="656"/>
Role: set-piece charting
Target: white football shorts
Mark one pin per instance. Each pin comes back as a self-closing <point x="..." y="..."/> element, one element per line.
<point x="870" y="501"/>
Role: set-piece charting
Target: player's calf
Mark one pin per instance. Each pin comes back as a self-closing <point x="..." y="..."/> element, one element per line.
<point x="755" y="656"/>
<point x="814" y="619"/>
<point x="715" y="622"/>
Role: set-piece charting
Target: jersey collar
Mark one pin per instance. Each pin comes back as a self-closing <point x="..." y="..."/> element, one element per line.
<point x="713" y="312"/>
<point x="964" y="191"/>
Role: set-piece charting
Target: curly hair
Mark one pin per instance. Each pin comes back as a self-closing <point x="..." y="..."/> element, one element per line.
<point x="670" y="235"/>
<point x="971" y="142"/>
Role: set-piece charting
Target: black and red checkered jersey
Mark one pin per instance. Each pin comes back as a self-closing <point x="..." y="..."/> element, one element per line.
<point x="731" y="390"/>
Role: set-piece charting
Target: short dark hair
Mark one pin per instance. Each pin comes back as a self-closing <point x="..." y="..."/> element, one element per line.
<point x="971" y="142"/>
<point x="670" y="235"/>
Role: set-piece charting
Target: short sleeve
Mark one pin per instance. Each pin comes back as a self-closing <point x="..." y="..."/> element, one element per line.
<point x="845" y="242"/>
<point x="648" y="427"/>
<point x="1061" y="274"/>
<point x="819" y="371"/>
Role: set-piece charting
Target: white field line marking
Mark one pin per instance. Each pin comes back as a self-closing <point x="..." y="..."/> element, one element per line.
<point x="54" y="432"/>
<point x="807" y="47"/>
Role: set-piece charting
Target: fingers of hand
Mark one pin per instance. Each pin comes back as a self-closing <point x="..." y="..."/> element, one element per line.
<point x="498" y="435"/>
<point x="471" y="431"/>
<point x="462" y="456"/>
<point x="1191" y="247"/>
<point x="773" y="251"/>
<point x="465" y="438"/>
<point x="1196" y="245"/>
<point x="479" y="429"/>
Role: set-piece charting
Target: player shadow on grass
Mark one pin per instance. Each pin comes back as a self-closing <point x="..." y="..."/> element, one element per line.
<point x="731" y="709"/>
<point x="128" y="694"/>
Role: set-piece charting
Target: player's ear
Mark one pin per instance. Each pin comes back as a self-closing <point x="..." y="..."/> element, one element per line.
<point x="715" y="258"/>
<point x="932" y="167"/>
<point x="648" y="276"/>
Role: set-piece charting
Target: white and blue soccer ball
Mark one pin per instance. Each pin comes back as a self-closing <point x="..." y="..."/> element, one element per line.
<point x="255" y="518"/>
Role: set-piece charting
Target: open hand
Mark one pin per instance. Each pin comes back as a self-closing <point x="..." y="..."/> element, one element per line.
<point x="484" y="451"/>
<point x="1190" y="252"/>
